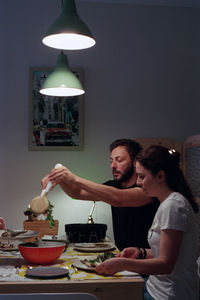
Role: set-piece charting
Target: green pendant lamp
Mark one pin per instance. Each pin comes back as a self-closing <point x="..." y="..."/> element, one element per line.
<point x="62" y="82"/>
<point x="69" y="32"/>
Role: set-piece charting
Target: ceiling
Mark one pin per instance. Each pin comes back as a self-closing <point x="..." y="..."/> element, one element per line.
<point x="189" y="3"/>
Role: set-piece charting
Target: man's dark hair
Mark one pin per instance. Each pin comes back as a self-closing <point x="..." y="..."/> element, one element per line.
<point x="132" y="147"/>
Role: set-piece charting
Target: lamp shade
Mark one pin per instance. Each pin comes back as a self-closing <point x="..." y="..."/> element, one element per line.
<point x="69" y="32"/>
<point x="62" y="81"/>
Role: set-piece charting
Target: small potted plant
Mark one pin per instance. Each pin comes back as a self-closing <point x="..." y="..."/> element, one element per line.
<point x="44" y="223"/>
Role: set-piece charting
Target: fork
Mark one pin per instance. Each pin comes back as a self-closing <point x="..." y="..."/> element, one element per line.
<point x="69" y="273"/>
<point x="74" y="268"/>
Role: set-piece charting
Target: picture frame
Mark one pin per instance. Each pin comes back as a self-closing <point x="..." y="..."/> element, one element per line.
<point x="55" y="123"/>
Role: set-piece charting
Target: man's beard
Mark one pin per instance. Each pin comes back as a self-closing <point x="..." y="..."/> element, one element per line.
<point x="128" y="173"/>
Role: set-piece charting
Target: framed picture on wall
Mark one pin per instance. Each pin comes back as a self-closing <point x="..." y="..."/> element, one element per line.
<point x="55" y="123"/>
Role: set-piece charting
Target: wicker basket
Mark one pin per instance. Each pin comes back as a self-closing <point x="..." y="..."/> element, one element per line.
<point x="80" y="233"/>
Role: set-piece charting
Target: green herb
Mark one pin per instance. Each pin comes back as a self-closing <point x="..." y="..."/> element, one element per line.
<point x="102" y="257"/>
<point x="49" y="216"/>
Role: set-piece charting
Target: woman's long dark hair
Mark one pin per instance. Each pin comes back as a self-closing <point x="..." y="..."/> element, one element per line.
<point x="157" y="158"/>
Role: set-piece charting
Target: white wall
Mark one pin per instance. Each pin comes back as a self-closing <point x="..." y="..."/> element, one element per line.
<point x="141" y="80"/>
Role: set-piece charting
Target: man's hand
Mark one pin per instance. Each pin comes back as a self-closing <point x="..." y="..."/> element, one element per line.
<point x="61" y="175"/>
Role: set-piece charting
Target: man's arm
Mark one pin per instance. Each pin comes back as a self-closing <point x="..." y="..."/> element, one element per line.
<point x="76" y="192"/>
<point x="111" y="195"/>
<point x="83" y="189"/>
<point x="69" y="188"/>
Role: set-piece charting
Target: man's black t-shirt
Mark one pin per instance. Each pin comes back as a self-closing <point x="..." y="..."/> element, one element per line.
<point x="131" y="224"/>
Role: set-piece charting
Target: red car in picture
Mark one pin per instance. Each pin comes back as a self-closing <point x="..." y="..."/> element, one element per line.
<point x="58" y="134"/>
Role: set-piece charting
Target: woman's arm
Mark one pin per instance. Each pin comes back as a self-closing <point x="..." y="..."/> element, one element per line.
<point x="169" y="249"/>
<point x="84" y="189"/>
<point x="135" y="252"/>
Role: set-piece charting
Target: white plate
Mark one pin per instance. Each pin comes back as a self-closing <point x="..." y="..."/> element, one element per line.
<point x="94" y="247"/>
<point x="23" y="236"/>
<point x="8" y="249"/>
<point x="81" y="266"/>
<point x="4" y="245"/>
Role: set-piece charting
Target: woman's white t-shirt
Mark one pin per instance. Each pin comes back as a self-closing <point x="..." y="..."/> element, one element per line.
<point x="175" y="212"/>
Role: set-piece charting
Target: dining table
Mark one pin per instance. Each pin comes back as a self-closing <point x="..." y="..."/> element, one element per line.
<point x="13" y="279"/>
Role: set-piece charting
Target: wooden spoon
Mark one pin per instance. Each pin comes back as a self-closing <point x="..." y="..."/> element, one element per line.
<point x="40" y="204"/>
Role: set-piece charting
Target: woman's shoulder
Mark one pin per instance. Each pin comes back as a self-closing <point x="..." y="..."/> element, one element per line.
<point x="177" y="202"/>
<point x="176" y="212"/>
<point x="178" y="197"/>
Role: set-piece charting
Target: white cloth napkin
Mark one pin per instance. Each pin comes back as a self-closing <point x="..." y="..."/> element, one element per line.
<point x="10" y="273"/>
<point x="126" y="274"/>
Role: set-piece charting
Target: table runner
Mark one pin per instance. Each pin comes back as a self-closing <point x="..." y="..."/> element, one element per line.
<point x="13" y="267"/>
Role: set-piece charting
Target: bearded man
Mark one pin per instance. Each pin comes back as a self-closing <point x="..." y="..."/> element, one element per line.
<point x="130" y="224"/>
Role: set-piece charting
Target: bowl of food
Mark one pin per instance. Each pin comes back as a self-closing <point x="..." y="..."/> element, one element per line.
<point x="41" y="252"/>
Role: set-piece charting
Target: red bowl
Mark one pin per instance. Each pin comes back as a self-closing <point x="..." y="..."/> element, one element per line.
<point x="41" y="252"/>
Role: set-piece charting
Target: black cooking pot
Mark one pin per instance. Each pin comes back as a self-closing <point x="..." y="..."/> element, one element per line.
<point x="85" y="233"/>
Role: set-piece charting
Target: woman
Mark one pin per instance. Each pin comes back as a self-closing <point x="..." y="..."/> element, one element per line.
<point x="171" y="261"/>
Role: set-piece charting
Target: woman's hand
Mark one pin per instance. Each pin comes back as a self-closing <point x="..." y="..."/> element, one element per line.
<point x="110" y="267"/>
<point x="131" y="252"/>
